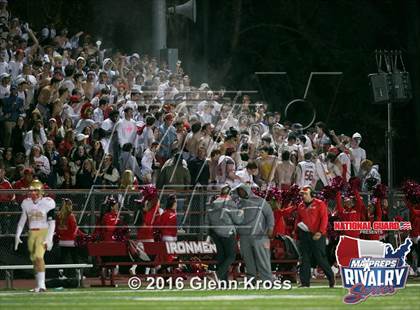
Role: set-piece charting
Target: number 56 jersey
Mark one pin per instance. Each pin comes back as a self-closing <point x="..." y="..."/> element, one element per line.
<point x="306" y="174"/>
<point x="38" y="213"/>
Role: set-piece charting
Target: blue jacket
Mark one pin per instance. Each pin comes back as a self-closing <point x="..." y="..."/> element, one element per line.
<point x="12" y="105"/>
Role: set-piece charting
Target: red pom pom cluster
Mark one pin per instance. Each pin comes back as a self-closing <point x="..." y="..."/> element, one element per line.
<point x="275" y="194"/>
<point x="330" y="191"/>
<point x="411" y="190"/>
<point x="149" y="192"/>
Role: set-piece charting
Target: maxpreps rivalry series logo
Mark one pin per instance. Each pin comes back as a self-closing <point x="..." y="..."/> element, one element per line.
<point x="371" y="268"/>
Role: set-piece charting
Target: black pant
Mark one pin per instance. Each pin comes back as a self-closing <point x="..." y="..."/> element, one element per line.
<point x="312" y="249"/>
<point x="225" y="254"/>
<point x="8" y="222"/>
<point x="69" y="255"/>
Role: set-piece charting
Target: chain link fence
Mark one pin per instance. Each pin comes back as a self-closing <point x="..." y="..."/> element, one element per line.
<point x="191" y="209"/>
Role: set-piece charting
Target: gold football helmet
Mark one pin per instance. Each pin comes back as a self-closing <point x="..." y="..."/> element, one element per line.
<point x="36" y="185"/>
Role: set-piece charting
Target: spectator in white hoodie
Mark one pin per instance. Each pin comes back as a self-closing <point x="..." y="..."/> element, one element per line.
<point x="126" y="128"/>
<point x="39" y="162"/>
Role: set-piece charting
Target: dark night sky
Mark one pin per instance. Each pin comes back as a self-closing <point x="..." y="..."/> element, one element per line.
<point x="298" y="37"/>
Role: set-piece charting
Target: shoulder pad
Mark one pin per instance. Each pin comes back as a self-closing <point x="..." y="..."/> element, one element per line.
<point x="26" y="200"/>
<point x="49" y="201"/>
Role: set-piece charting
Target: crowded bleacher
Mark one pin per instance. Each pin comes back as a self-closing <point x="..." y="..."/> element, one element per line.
<point x="75" y="117"/>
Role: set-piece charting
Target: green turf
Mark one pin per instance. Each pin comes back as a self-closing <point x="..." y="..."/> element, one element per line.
<point x="123" y="298"/>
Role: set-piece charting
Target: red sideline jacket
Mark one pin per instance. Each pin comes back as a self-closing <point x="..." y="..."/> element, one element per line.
<point x="414" y="219"/>
<point x="167" y="223"/>
<point x="68" y="231"/>
<point x="150" y="218"/>
<point x="279" y="222"/>
<point x="353" y="214"/>
<point x="315" y="216"/>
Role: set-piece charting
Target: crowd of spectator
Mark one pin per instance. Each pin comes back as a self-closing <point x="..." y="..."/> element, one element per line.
<point x="73" y="116"/>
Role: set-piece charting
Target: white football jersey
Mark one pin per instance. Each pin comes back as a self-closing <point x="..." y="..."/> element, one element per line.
<point x="36" y="212"/>
<point x="306" y="174"/>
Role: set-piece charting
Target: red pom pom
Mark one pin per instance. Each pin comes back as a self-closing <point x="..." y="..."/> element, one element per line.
<point x="411" y="190"/>
<point x="292" y="195"/>
<point x="149" y="192"/>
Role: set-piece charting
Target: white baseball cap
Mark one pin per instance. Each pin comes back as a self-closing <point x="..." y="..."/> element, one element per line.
<point x="357" y="135"/>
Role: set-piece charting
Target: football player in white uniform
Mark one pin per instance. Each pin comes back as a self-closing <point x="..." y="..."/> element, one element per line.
<point x="39" y="212"/>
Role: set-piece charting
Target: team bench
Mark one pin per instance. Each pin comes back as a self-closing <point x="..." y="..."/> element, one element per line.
<point x="10" y="268"/>
<point x="109" y="254"/>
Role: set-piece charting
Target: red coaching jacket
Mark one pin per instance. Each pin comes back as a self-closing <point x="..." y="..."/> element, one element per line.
<point x="167" y="223"/>
<point x="315" y="216"/>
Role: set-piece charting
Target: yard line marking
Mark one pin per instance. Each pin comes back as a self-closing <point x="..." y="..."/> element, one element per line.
<point x="110" y="291"/>
<point x="230" y="297"/>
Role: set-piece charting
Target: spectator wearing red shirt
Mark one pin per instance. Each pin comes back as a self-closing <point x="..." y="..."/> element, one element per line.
<point x="5" y="184"/>
<point x="6" y="203"/>
<point x="67" y="144"/>
<point x="312" y="222"/>
<point x="352" y="211"/>
<point x="23" y="184"/>
<point x="66" y="230"/>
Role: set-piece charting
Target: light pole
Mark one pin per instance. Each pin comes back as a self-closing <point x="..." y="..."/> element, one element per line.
<point x="390" y="86"/>
<point x="159" y="26"/>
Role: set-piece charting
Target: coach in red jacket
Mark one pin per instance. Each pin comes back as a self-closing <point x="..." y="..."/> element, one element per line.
<point x="312" y="221"/>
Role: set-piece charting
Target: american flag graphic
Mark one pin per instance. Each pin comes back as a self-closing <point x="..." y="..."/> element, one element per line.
<point x="405" y="226"/>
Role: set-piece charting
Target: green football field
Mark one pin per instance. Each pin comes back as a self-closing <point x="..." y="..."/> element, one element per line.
<point x="317" y="297"/>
